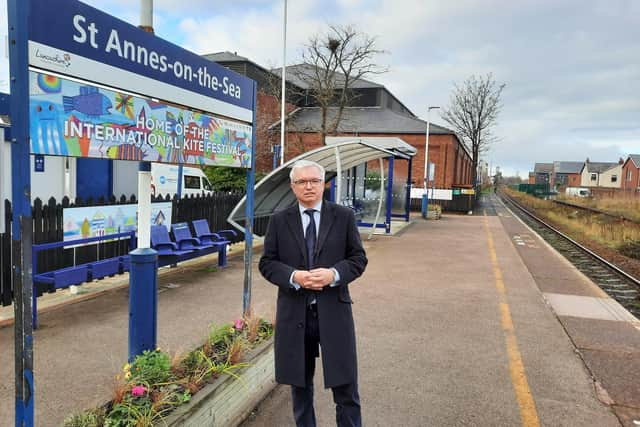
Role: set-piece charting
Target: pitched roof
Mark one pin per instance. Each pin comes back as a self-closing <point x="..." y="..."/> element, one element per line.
<point x="365" y="120"/>
<point x="635" y="158"/>
<point x="567" y="167"/>
<point x="230" y="58"/>
<point x="599" y="167"/>
<point x="297" y="73"/>
<point x="226" y="57"/>
<point x="543" y="168"/>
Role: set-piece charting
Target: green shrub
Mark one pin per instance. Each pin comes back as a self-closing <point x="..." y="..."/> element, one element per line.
<point x="151" y="367"/>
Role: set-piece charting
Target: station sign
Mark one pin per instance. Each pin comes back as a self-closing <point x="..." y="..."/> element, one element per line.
<point x="71" y="38"/>
<point x="38" y="163"/>
<point x="71" y="118"/>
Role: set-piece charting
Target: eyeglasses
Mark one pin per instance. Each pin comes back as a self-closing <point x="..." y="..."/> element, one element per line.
<point x="303" y="182"/>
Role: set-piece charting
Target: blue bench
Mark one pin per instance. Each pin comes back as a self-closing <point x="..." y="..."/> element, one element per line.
<point x="201" y="227"/>
<point x="76" y="275"/>
<point x="186" y="246"/>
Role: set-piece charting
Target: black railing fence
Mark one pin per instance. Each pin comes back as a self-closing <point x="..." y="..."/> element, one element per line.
<point x="48" y="227"/>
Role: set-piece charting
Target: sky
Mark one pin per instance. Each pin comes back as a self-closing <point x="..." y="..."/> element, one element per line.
<point x="571" y="68"/>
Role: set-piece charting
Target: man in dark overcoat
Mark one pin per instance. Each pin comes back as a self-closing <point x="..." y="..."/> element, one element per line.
<point x="312" y="251"/>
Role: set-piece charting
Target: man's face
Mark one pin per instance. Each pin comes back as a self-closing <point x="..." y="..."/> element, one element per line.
<point x="308" y="186"/>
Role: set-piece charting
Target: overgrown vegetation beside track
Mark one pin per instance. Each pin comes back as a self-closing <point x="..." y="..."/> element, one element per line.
<point x="620" y="236"/>
<point x="627" y="205"/>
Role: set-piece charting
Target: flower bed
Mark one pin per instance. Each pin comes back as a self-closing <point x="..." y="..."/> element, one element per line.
<point x="155" y="384"/>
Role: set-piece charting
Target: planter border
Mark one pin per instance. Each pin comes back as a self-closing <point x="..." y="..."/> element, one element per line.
<point x="229" y="400"/>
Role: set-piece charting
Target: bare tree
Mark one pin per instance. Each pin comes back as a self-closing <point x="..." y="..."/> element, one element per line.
<point x="473" y="111"/>
<point x="332" y="63"/>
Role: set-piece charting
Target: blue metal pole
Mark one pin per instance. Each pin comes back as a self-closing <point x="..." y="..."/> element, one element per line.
<point x="353" y="185"/>
<point x="22" y="225"/>
<point x="143" y="301"/>
<point x="248" y="227"/>
<point x="407" y="207"/>
<point x="332" y="190"/>
<point x="387" y="223"/>
<point x="425" y="197"/>
<point x="276" y="157"/>
<point x="143" y="281"/>
<point x="180" y="173"/>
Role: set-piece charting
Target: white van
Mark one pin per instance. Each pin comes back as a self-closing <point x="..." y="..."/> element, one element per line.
<point x="164" y="180"/>
<point x="577" y="192"/>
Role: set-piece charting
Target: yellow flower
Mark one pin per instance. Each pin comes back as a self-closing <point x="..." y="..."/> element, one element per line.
<point x="127" y="375"/>
<point x="126" y="367"/>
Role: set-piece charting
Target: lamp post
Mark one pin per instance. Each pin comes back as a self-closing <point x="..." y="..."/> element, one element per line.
<point x="426" y="167"/>
<point x="283" y="90"/>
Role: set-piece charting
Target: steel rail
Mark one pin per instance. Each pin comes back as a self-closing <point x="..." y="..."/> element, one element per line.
<point x="578" y="245"/>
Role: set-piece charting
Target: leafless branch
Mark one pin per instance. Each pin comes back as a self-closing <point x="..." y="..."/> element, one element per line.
<point x="332" y="63"/>
<point x="473" y="112"/>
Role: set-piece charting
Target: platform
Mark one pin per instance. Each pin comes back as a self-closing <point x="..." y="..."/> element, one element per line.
<point x="458" y="324"/>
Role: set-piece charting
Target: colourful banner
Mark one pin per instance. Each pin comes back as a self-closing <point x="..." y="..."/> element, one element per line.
<point x="95" y="221"/>
<point x="74" y="119"/>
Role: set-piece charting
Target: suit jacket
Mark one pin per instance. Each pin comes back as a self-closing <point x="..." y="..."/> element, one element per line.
<point x="338" y="246"/>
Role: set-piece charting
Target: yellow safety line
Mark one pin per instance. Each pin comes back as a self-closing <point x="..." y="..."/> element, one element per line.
<point x="528" y="413"/>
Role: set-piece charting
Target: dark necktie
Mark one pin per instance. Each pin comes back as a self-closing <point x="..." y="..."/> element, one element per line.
<point x="310" y="237"/>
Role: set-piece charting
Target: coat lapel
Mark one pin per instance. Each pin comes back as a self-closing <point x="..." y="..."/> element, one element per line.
<point x="295" y="224"/>
<point x="327" y="216"/>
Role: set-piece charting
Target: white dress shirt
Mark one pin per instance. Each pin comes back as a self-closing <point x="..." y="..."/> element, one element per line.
<point x="306" y="220"/>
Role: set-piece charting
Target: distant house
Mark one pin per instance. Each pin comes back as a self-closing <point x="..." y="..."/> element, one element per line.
<point x="543" y="173"/>
<point x="601" y="174"/>
<point x="567" y="174"/>
<point x="631" y="173"/>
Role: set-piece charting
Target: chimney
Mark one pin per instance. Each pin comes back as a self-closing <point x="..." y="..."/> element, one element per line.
<point x="621" y="161"/>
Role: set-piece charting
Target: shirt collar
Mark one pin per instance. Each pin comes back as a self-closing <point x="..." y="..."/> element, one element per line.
<point x="317" y="207"/>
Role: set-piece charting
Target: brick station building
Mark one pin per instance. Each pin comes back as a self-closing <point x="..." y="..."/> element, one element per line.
<point x="375" y="111"/>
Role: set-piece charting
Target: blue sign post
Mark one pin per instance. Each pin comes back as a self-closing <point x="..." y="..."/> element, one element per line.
<point x="22" y="227"/>
<point x="248" y="228"/>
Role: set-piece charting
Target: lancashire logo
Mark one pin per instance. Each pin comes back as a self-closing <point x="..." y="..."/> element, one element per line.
<point x="63" y="61"/>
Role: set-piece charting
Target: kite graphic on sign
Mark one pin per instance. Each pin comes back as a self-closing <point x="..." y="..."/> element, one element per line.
<point x="124" y="104"/>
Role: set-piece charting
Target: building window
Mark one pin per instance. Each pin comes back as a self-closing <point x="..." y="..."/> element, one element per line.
<point x="614" y="178"/>
<point x="594" y="177"/>
<point x="629" y="175"/>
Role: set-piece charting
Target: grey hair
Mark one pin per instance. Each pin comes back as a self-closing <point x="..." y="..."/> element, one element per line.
<point x="301" y="164"/>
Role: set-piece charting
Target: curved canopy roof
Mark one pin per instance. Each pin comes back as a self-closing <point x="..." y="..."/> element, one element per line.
<point x="273" y="192"/>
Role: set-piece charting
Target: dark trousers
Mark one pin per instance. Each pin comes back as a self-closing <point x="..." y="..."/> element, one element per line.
<point x="345" y="396"/>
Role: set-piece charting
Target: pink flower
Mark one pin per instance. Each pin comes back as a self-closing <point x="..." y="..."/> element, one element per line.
<point x="239" y="323"/>
<point x="138" y="390"/>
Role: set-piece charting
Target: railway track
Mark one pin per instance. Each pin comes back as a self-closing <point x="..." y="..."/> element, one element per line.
<point x="618" y="284"/>
<point x="597" y="211"/>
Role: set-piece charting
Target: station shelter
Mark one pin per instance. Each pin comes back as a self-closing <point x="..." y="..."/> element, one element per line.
<point x="378" y="202"/>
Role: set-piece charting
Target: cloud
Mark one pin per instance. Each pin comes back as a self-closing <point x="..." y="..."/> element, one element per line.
<point x="572" y="72"/>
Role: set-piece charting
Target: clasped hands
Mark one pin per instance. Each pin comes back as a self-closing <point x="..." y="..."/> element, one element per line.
<point x="315" y="279"/>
